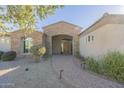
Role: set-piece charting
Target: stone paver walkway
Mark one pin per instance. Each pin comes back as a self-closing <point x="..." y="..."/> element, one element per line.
<point x="75" y="76"/>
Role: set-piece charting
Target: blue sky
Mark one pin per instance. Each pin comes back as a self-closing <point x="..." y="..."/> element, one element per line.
<point x="82" y="15"/>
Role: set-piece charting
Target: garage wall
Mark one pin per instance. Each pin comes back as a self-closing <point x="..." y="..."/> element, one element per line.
<point x="5" y="44"/>
<point x="109" y="37"/>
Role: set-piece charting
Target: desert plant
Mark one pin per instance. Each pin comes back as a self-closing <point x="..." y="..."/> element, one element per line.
<point x="113" y="65"/>
<point x="1" y="53"/>
<point x="8" y="56"/>
<point x="38" y="51"/>
<point x="92" y="64"/>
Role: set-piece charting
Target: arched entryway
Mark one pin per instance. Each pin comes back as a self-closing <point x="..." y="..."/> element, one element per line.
<point x="62" y="44"/>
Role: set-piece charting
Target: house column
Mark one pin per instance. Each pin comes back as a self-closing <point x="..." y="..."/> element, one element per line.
<point x="49" y="44"/>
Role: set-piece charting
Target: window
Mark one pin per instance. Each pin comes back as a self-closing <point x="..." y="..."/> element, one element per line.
<point x="88" y="38"/>
<point x="92" y="38"/>
<point x="27" y="44"/>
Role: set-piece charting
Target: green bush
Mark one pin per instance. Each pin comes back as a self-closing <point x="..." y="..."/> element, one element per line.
<point x="1" y="53"/>
<point x="38" y="51"/>
<point x="92" y="64"/>
<point x="8" y="56"/>
<point x="113" y="65"/>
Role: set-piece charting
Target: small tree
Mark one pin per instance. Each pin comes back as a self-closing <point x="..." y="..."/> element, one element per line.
<point x="38" y="51"/>
<point x="24" y="16"/>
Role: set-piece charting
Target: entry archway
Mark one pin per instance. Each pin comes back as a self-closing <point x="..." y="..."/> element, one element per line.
<point x="62" y="44"/>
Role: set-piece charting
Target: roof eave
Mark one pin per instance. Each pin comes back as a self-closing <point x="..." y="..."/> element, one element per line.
<point x="45" y="27"/>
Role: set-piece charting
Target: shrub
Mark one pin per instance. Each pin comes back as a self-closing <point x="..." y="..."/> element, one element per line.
<point x="1" y="53"/>
<point x="113" y="65"/>
<point x="38" y="51"/>
<point x="8" y="56"/>
<point x="92" y="64"/>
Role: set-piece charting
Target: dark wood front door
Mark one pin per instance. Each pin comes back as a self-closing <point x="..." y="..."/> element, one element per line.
<point x="67" y="47"/>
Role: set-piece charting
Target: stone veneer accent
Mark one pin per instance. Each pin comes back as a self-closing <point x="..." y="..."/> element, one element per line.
<point x="16" y="39"/>
<point x="62" y="28"/>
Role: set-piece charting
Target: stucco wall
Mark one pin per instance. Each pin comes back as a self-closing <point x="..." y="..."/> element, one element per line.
<point x="5" y="44"/>
<point x="109" y="37"/>
<point x="62" y="29"/>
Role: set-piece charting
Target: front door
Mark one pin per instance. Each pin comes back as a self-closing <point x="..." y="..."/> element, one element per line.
<point x="66" y="47"/>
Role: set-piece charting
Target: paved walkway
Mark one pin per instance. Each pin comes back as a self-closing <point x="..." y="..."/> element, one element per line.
<point x="46" y="74"/>
<point x="39" y="75"/>
<point x="75" y="76"/>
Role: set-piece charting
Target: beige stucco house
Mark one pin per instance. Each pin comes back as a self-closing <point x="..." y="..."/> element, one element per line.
<point x="59" y="38"/>
<point x="107" y="34"/>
